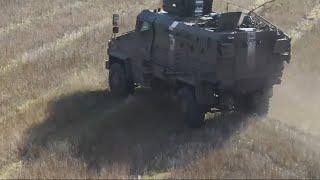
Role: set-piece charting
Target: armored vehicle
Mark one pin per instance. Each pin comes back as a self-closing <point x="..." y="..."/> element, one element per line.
<point x="211" y="61"/>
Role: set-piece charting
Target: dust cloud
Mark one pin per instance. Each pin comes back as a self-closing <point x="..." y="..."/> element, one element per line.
<point x="296" y="101"/>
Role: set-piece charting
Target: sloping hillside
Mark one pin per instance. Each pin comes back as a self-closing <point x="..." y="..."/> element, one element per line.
<point x="58" y="121"/>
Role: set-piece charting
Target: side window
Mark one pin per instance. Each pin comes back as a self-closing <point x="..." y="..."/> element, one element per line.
<point x="145" y="26"/>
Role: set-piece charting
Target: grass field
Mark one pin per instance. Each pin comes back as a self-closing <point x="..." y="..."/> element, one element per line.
<point x="57" y="119"/>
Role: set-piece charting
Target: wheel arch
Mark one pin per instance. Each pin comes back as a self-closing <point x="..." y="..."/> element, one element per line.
<point x="181" y="84"/>
<point x="124" y="61"/>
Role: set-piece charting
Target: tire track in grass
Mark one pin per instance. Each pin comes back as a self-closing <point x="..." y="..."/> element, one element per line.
<point x="33" y="55"/>
<point x="74" y="78"/>
<point x="67" y="39"/>
<point x="74" y="82"/>
<point x="77" y="78"/>
<point x="61" y="43"/>
<point x="26" y="23"/>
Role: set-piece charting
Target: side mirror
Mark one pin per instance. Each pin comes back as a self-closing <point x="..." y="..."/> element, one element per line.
<point x="115" y="30"/>
<point x="116" y="20"/>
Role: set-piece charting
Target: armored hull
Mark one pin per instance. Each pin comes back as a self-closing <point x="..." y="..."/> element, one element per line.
<point x="225" y="60"/>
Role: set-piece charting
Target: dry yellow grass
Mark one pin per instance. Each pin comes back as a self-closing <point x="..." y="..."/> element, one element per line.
<point x="58" y="121"/>
<point x="280" y="154"/>
<point x="49" y="69"/>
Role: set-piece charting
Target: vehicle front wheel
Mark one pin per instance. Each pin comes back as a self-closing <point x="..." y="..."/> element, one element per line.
<point x="118" y="81"/>
<point x="191" y="111"/>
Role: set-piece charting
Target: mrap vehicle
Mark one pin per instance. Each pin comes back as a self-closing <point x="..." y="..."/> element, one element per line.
<point x="211" y="61"/>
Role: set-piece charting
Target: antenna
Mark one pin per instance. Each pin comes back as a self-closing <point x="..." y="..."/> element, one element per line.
<point x="241" y="7"/>
<point x="228" y="6"/>
<point x="233" y="4"/>
<point x="256" y="8"/>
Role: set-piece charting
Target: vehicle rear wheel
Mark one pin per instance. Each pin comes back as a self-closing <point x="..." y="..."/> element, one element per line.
<point x="158" y="86"/>
<point x="261" y="102"/>
<point x="191" y="111"/>
<point x="118" y="81"/>
<point x="255" y="103"/>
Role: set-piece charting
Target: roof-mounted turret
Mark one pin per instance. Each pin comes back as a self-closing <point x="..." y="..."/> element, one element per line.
<point x="188" y="8"/>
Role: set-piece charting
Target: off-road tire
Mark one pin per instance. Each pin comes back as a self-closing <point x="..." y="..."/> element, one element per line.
<point x="119" y="84"/>
<point x="261" y="102"/>
<point x="191" y="111"/>
<point x="158" y="87"/>
<point x="255" y="103"/>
